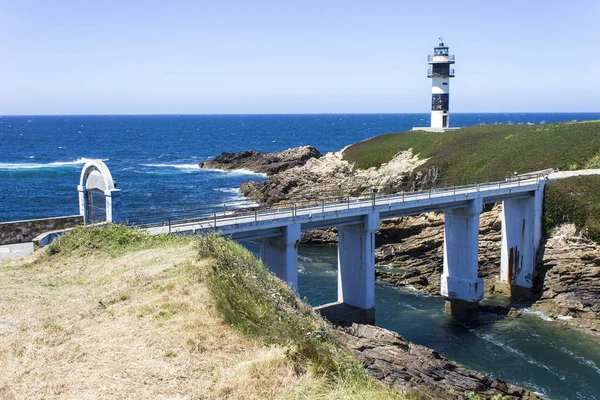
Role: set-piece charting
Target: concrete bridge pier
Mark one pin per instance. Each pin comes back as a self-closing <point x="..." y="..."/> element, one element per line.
<point x="356" y="274"/>
<point x="518" y="254"/>
<point x="280" y="254"/>
<point x="460" y="283"/>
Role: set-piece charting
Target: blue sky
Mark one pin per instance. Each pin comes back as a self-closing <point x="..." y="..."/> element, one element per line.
<point x="170" y="57"/>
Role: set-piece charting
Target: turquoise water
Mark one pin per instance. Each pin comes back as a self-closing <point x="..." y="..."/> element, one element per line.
<point x="529" y="351"/>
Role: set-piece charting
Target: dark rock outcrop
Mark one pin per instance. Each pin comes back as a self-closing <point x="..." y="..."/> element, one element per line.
<point x="403" y="365"/>
<point x="266" y="163"/>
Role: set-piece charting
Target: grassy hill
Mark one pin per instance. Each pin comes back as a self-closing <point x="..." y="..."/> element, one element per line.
<point x="488" y="151"/>
<point x="492" y="152"/>
<point x="114" y="313"/>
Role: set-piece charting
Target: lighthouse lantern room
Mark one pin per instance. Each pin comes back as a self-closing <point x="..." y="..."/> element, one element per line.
<point x="440" y="74"/>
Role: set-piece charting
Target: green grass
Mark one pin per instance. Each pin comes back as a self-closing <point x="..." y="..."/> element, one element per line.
<point x="575" y="200"/>
<point x="488" y="151"/>
<point x="109" y="238"/>
<point x="261" y="306"/>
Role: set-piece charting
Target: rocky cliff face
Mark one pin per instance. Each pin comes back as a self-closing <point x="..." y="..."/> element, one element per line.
<point x="568" y="279"/>
<point x="332" y="176"/>
<point x="403" y="365"/>
<point x="266" y="163"/>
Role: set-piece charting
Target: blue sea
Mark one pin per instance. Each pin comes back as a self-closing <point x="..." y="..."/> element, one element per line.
<point x="155" y="162"/>
<point x="155" y="158"/>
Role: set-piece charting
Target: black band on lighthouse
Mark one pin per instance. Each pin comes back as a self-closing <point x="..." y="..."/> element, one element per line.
<point x="440" y="101"/>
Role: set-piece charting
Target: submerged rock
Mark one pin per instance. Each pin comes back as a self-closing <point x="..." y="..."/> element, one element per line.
<point x="265" y="163"/>
<point x="403" y="365"/>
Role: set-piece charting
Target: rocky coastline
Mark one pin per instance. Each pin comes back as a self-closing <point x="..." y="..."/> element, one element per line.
<point x="410" y="249"/>
<point x="263" y="163"/>
<point x="403" y="365"/>
<point x="567" y="276"/>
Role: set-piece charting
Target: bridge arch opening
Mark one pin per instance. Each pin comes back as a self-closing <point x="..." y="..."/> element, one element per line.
<point x="99" y="199"/>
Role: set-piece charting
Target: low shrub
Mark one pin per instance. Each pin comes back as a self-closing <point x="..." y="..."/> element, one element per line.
<point x="109" y="238"/>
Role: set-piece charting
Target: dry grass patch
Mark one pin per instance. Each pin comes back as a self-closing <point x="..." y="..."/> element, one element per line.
<point x="134" y="323"/>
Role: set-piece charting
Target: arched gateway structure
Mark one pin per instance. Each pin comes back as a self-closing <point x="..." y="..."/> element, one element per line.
<point x="95" y="177"/>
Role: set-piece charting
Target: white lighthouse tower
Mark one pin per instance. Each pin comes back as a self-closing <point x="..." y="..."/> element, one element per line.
<point x="440" y="74"/>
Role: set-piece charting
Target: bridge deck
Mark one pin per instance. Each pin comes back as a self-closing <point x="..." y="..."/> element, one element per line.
<point x="245" y="224"/>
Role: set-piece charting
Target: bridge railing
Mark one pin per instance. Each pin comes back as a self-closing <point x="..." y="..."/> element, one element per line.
<point x="213" y="213"/>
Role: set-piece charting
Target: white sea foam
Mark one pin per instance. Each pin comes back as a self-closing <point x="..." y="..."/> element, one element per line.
<point x="188" y="167"/>
<point x="241" y="171"/>
<point x="564" y="317"/>
<point x="228" y="190"/>
<point x="56" y="164"/>
<point x="495" y="341"/>
<point x="177" y="166"/>
<point x="536" y="313"/>
<point x="580" y="359"/>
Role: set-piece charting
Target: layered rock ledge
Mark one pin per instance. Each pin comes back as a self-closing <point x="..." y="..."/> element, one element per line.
<point x="403" y="365"/>
<point x="265" y="163"/>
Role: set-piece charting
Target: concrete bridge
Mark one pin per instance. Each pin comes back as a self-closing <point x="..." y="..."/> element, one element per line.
<point x="278" y="231"/>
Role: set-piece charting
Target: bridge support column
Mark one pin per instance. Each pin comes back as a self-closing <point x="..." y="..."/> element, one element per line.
<point x="538" y="215"/>
<point x="356" y="272"/>
<point x="113" y="206"/>
<point x="518" y="252"/>
<point x="280" y="254"/>
<point x="460" y="283"/>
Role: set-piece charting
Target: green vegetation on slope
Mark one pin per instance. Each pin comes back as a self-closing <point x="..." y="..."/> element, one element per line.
<point x="575" y="200"/>
<point x="263" y="307"/>
<point x="488" y="151"/>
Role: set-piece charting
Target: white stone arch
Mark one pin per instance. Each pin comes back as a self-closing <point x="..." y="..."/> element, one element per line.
<point x="95" y="175"/>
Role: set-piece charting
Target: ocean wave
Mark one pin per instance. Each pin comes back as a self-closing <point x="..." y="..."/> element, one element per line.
<point x="56" y="164"/>
<point x="241" y="171"/>
<point x="580" y="359"/>
<point x="537" y="313"/>
<point x="228" y="190"/>
<point x="497" y="342"/>
<point x="177" y="166"/>
<point x="196" y="167"/>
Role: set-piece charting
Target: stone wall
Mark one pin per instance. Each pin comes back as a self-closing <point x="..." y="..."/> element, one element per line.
<point x="25" y="231"/>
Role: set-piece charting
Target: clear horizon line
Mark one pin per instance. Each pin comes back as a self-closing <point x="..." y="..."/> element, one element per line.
<point x="276" y="113"/>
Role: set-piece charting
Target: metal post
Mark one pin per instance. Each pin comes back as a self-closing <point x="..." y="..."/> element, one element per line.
<point x="169" y="225"/>
<point x="348" y="202"/>
<point x="215" y="220"/>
